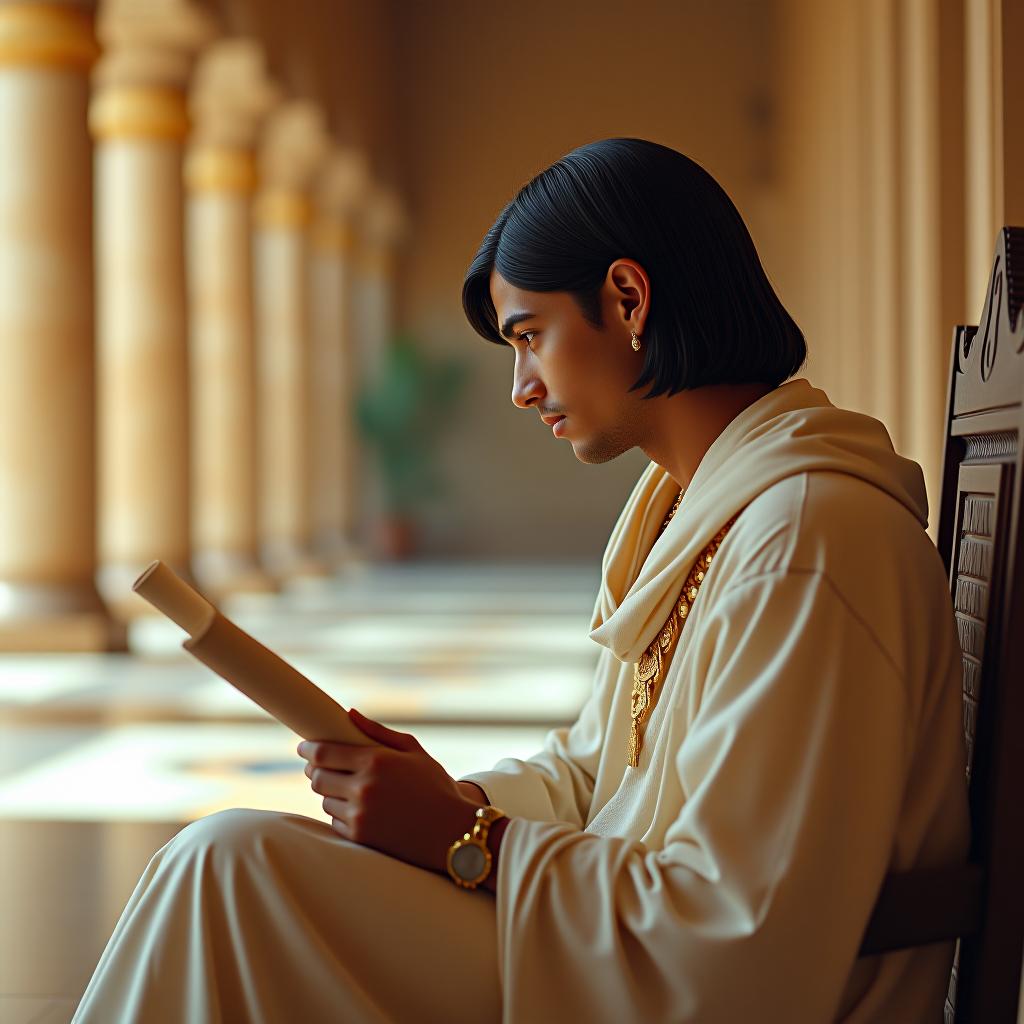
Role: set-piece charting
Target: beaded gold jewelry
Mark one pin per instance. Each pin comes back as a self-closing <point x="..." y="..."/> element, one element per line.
<point x="635" y="341"/>
<point x="650" y="669"/>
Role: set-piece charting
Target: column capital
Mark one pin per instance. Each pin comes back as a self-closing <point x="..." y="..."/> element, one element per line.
<point x="231" y="95"/>
<point x="139" y="82"/>
<point x="340" y="188"/>
<point x="384" y="216"/>
<point x="55" y="34"/>
<point x="293" y="145"/>
<point x="384" y="227"/>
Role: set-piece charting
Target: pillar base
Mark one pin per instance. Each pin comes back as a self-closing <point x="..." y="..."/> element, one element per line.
<point x="223" y="573"/>
<point x="63" y="634"/>
<point x="50" y="617"/>
<point x="287" y="561"/>
<point x="336" y="552"/>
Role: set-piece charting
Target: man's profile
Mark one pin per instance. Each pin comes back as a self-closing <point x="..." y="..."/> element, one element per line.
<point x="774" y="723"/>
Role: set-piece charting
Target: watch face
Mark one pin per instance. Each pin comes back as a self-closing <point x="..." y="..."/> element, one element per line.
<point x="468" y="862"/>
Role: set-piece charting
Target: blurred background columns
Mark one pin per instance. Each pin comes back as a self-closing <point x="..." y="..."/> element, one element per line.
<point x="872" y="163"/>
<point x="883" y="138"/>
<point x="230" y="95"/>
<point x="340" y="188"/>
<point x="383" y="228"/>
<point x="48" y="599"/>
<point x="994" y="88"/>
<point x="884" y="375"/>
<point x="932" y="223"/>
<point x="139" y="121"/>
<point x="293" y="146"/>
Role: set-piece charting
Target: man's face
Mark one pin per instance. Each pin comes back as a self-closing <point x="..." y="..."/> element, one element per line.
<point x="566" y="367"/>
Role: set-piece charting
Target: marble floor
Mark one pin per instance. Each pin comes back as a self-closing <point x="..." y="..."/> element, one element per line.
<point x="103" y="758"/>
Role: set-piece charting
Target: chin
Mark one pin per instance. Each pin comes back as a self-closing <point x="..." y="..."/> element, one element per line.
<point x="595" y="451"/>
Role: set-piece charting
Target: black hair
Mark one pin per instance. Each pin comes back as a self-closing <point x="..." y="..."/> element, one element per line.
<point x="714" y="317"/>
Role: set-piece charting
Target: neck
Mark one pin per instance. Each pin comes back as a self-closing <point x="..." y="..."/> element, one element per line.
<point x="682" y="427"/>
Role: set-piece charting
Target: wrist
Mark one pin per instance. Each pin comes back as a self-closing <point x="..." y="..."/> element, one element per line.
<point x="494" y="837"/>
<point x="457" y="825"/>
<point x="473" y="792"/>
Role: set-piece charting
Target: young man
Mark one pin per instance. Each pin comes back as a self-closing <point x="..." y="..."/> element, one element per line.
<point x="774" y="724"/>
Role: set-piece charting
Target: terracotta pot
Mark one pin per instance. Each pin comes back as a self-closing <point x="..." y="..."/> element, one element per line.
<point x="396" y="538"/>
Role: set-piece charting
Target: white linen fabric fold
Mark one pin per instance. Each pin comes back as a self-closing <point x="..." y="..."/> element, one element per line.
<point x="256" y="917"/>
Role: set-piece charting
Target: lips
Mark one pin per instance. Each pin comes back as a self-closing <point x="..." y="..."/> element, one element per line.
<point x="551" y="420"/>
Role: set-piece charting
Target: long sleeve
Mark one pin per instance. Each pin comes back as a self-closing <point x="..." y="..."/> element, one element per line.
<point x="792" y="774"/>
<point x="557" y="783"/>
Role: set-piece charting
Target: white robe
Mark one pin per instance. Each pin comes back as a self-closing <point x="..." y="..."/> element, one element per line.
<point x="805" y="741"/>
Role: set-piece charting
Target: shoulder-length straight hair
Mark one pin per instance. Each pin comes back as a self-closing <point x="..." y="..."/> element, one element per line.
<point x="714" y="317"/>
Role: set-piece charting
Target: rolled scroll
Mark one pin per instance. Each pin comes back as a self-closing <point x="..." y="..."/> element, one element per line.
<point x="245" y="663"/>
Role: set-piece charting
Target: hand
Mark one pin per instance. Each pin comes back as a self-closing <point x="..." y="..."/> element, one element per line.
<point x="395" y="798"/>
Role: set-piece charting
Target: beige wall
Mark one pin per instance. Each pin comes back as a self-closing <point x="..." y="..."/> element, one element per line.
<point x="488" y="96"/>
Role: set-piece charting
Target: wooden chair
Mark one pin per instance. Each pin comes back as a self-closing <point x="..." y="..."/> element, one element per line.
<point x="980" y="538"/>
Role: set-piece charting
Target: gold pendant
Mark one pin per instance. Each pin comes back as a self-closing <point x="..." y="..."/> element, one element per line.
<point x="650" y="669"/>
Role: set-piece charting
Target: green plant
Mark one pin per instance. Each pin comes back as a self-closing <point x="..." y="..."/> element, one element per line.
<point x="400" y="414"/>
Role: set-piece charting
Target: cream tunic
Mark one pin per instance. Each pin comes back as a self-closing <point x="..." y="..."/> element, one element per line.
<point x="805" y="741"/>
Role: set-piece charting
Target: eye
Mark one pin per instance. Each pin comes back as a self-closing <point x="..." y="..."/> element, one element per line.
<point x="527" y="336"/>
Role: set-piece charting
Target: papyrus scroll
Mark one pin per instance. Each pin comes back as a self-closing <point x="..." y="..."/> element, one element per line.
<point x="245" y="663"/>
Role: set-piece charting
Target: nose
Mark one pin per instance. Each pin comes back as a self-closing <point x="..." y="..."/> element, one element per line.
<point x="527" y="388"/>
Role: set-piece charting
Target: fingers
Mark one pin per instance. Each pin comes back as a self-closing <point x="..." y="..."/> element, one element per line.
<point x="404" y="741"/>
<point x="335" y="808"/>
<point x="340" y="757"/>
<point x="342" y="827"/>
<point x="342" y="785"/>
<point x="347" y="820"/>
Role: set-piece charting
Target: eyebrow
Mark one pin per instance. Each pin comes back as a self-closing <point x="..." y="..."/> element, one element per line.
<point x="511" y="320"/>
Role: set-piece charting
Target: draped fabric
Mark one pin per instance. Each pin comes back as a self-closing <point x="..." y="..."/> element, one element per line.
<point x="257" y="917"/>
<point x="805" y="740"/>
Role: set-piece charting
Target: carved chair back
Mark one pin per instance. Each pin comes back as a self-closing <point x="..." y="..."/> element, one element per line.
<point x="981" y="905"/>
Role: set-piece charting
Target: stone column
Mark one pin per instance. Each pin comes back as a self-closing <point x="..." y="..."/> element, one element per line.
<point x="931" y="209"/>
<point x="981" y="146"/>
<point x="883" y="174"/>
<point x="48" y="600"/>
<point x="850" y="215"/>
<point x="230" y="95"/>
<point x="139" y="120"/>
<point x="293" y="146"/>
<point x="1011" y="118"/>
<point x="994" y="134"/>
<point x="340" y="188"/>
<point x="383" y="227"/>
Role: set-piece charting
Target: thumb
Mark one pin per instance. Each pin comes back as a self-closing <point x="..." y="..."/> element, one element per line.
<point x="382" y="734"/>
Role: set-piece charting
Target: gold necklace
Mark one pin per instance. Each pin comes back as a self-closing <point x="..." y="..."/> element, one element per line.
<point x="650" y="669"/>
<point x="671" y="513"/>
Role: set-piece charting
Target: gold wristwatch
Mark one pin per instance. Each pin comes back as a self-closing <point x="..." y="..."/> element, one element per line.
<point x="469" y="860"/>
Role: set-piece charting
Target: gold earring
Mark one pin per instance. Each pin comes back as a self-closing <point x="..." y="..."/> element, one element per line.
<point x="635" y="341"/>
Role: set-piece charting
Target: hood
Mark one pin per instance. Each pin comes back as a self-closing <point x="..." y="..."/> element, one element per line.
<point x="793" y="429"/>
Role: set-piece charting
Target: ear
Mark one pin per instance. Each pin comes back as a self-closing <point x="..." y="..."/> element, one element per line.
<point x="629" y="288"/>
